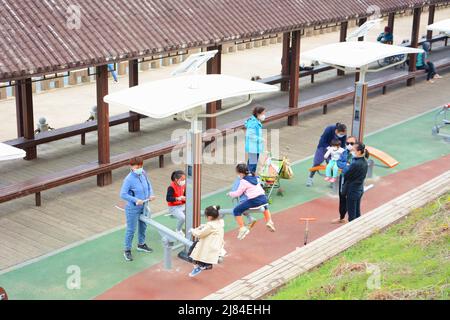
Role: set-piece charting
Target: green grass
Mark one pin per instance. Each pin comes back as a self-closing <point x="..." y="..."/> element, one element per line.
<point x="412" y="257"/>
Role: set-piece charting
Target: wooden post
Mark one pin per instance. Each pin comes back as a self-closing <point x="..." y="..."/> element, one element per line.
<point x="133" y="75"/>
<point x="342" y="37"/>
<point x="431" y="11"/>
<point x="285" y="69"/>
<point x="414" y="43"/>
<point x="25" y="91"/>
<point x="213" y="67"/>
<point x="391" y="20"/>
<point x="294" y="77"/>
<point x="103" y="179"/>
<point x="19" y="113"/>
<point x="360" y="23"/>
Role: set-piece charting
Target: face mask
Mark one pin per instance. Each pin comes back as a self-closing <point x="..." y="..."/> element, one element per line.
<point x="354" y="154"/>
<point x="182" y="183"/>
<point x="341" y="135"/>
<point x="349" y="147"/>
<point x="138" y="171"/>
<point x="262" y="117"/>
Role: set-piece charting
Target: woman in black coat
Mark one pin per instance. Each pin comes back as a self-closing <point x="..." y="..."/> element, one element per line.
<point x="354" y="177"/>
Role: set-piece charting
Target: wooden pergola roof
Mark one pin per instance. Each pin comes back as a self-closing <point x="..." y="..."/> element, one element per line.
<point x="36" y="39"/>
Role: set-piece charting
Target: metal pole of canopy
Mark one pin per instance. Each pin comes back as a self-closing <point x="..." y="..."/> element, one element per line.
<point x="359" y="105"/>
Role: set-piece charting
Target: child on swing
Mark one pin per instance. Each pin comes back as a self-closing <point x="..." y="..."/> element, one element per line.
<point x="250" y="187"/>
<point x="209" y="248"/>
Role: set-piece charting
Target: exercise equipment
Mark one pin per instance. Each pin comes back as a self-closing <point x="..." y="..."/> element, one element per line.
<point x="441" y="121"/>
<point x="307" y="221"/>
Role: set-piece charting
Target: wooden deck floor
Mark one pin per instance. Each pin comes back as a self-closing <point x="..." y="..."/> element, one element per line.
<point x="80" y="210"/>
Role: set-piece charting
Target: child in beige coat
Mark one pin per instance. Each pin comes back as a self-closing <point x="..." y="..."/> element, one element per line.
<point x="210" y="245"/>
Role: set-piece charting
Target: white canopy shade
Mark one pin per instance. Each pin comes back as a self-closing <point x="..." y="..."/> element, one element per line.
<point x="355" y="54"/>
<point x="164" y="98"/>
<point x="8" y="152"/>
<point x="440" y="26"/>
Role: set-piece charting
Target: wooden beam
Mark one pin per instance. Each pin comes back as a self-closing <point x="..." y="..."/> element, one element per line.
<point x="26" y="93"/>
<point x="431" y="12"/>
<point x="19" y="113"/>
<point x="285" y="60"/>
<point x="342" y="37"/>
<point x="414" y="43"/>
<point x="133" y="75"/>
<point x="391" y="20"/>
<point x="213" y="67"/>
<point x="103" y="179"/>
<point x="294" y="77"/>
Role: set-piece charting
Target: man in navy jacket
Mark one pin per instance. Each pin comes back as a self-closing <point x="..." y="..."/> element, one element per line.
<point x="337" y="131"/>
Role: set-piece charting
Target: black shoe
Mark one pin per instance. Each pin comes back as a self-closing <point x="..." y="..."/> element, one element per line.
<point x="144" y="248"/>
<point x="127" y="255"/>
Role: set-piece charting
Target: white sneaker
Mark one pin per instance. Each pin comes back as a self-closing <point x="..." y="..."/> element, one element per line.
<point x="309" y="182"/>
<point x="270" y="225"/>
<point x="243" y="232"/>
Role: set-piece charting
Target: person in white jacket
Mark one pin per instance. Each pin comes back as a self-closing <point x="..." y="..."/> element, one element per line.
<point x="210" y="246"/>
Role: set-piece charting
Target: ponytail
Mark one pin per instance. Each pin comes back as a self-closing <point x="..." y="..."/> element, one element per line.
<point x="213" y="212"/>
<point x="361" y="147"/>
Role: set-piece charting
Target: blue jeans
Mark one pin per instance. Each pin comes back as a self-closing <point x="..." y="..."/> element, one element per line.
<point x="132" y="215"/>
<point x="113" y="72"/>
<point x="253" y="159"/>
<point x="249" y="204"/>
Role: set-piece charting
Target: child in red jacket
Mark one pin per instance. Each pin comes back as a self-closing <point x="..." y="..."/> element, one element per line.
<point x="176" y="199"/>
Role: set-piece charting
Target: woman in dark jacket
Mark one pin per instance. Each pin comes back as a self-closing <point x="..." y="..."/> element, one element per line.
<point x="354" y="177"/>
<point x="333" y="132"/>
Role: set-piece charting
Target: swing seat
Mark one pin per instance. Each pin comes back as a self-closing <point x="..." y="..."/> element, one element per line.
<point x="259" y="208"/>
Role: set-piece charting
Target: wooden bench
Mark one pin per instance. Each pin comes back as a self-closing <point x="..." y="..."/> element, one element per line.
<point x="71" y="131"/>
<point x="42" y="183"/>
<point x="383" y="82"/>
<point x="436" y="38"/>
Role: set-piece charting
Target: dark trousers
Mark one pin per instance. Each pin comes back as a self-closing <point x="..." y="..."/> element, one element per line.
<point x="354" y="204"/>
<point x="342" y="201"/>
<point x="206" y="266"/>
<point x="249" y="204"/>
<point x="429" y="68"/>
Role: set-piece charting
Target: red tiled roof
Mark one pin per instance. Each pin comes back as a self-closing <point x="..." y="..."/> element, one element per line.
<point x="36" y="39"/>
